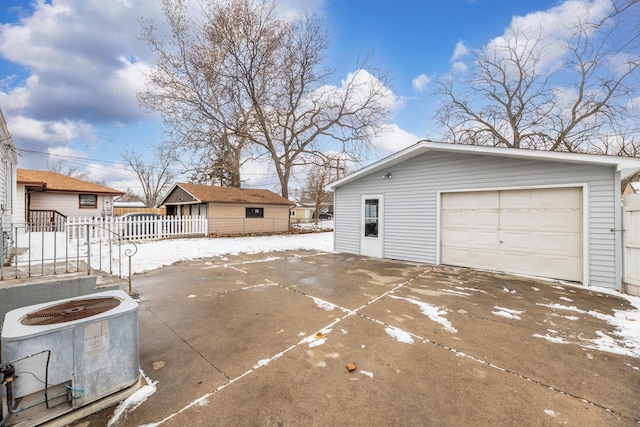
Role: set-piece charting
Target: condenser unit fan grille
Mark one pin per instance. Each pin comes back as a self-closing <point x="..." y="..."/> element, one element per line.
<point x="71" y="310"/>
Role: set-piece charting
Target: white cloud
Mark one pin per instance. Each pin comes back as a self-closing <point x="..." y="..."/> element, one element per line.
<point x="46" y="132"/>
<point x="460" y="51"/>
<point x="63" y="151"/>
<point x="116" y="176"/>
<point x="73" y="51"/>
<point x="295" y="9"/>
<point x="421" y="82"/>
<point x="361" y="82"/>
<point x="459" y="67"/>
<point x="393" y="139"/>
<point x="545" y="34"/>
<point x="83" y="64"/>
<point x="634" y="104"/>
<point x="259" y="173"/>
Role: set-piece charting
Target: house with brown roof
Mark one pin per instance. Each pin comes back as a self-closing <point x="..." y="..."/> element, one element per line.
<point x="43" y="196"/>
<point x="230" y="210"/>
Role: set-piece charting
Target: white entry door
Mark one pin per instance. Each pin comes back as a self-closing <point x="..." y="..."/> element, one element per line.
<point x="371" y="233"/>
<point x="535" y="232"/>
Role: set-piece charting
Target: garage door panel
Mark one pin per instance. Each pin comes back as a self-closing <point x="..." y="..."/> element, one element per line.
<point x="515" y="241"/>
<point x="470" y="219"/>
<point x="559" y="197"/>
<point x="487" y="260"/>
<point x="517" y="199"/>
<point x="534" y="232"/>
<point x="566" y="244"/>
<point x="559" y="268"/>
<point x="479" y="259"/>
<point x="484" y="240"/>
<point x="568" y="221"/>
<point x="456" y="238"/>
<point x="471" y="239"/>
<point x="516" y="219"/>
<point x="517" y="262"/>
<point x="487" y="220"/>
<point x="479" y="200"/>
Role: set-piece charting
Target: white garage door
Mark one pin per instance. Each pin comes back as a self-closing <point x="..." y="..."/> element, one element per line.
<point x="535" y="232"/>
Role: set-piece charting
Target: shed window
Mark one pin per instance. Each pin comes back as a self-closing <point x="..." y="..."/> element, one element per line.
<point x="88" y="200"/>
<point x="255" y="213"/>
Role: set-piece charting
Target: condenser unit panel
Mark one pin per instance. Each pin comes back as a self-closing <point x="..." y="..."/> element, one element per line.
<point x="90" y="342"/>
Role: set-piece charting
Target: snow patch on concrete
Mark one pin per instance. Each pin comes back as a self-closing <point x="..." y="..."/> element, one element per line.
<point x="434" y="312"/>
<point x="133" y="401"/>
<point x="324" y="304"/>
<point x="399" y="335"/>
<point x="507" y="313"/>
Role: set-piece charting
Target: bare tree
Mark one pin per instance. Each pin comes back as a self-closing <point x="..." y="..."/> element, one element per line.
<point x="63" y="168"/>
<point x="156" y="175"/>
<point x="256" y="84"/>
<point x="215" y="158"/>
<point x="318" y="176"/>
<point x="130" y="196"/>
<point x="533" y="90"/>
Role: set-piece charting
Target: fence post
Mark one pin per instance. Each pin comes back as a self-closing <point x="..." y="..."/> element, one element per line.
<point x="88" y="249"/>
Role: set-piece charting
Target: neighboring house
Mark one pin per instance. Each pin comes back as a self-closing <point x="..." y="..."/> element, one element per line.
<point x="632" y="188"/>
<point x="528" y="212"/>
<point x="302" y="213"/>
<point x="7" y="174"/>
<point x="122" y="208"/>
<point x="44" y="196"/>
<point x="230" y="210"/>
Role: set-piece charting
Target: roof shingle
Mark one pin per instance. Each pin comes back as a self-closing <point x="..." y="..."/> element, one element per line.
<point x="57" y="182"/>
<point x="213" y="194"/>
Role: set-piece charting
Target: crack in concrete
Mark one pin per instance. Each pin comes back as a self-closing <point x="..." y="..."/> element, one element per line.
<point x="189" y="345"/>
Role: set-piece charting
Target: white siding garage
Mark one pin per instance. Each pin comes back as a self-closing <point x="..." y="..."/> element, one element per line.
<point x="536" y="232"/>
<point x="526" y="212"/>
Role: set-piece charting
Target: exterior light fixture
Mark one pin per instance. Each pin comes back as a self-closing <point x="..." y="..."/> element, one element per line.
<point x="386" y="175"/>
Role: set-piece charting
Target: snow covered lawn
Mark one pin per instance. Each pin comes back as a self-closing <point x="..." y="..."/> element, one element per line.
<point x="152" y="255"/>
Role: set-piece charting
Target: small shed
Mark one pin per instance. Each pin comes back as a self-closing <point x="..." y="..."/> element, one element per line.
<point x="302" y="213"/>
<point x="545" y="214"/>
<point x="230" y="210"/>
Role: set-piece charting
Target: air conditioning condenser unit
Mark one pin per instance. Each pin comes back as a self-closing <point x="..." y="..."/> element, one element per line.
<point x="62" y="355"/>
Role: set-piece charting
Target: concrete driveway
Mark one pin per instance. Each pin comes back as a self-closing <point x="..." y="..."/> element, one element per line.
<point x="266" y="339"/>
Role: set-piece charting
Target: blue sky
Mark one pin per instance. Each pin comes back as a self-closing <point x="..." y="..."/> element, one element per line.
<point x="69" y="70"/>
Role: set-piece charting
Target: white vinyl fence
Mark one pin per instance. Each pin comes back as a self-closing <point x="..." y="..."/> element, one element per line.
<point x="85" y="244"/>
<point x="137" y="228"/>
<point x="631" y="256"/>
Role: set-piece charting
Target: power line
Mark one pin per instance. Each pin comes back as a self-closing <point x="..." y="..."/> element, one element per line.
<point x="84" y="162"/>
<point x="63" y="156"/>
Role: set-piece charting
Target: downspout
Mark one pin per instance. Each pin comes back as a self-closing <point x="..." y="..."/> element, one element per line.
<point x="618" y="232"/>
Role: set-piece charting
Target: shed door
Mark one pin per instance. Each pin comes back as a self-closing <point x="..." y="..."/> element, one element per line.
<point x="534" y="232"/>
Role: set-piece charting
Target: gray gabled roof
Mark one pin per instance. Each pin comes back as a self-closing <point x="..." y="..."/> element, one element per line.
<point x="625" y="165"/>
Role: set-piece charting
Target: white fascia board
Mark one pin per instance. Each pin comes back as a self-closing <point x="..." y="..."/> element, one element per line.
<point x="392" y="160"/>
<point x="625" y="165"/>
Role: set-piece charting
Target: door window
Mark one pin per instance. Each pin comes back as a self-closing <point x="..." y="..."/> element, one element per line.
<point x="371" y="218"/>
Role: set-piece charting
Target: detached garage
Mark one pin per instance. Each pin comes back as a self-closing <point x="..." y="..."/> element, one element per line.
<point x="537" y="213"/>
